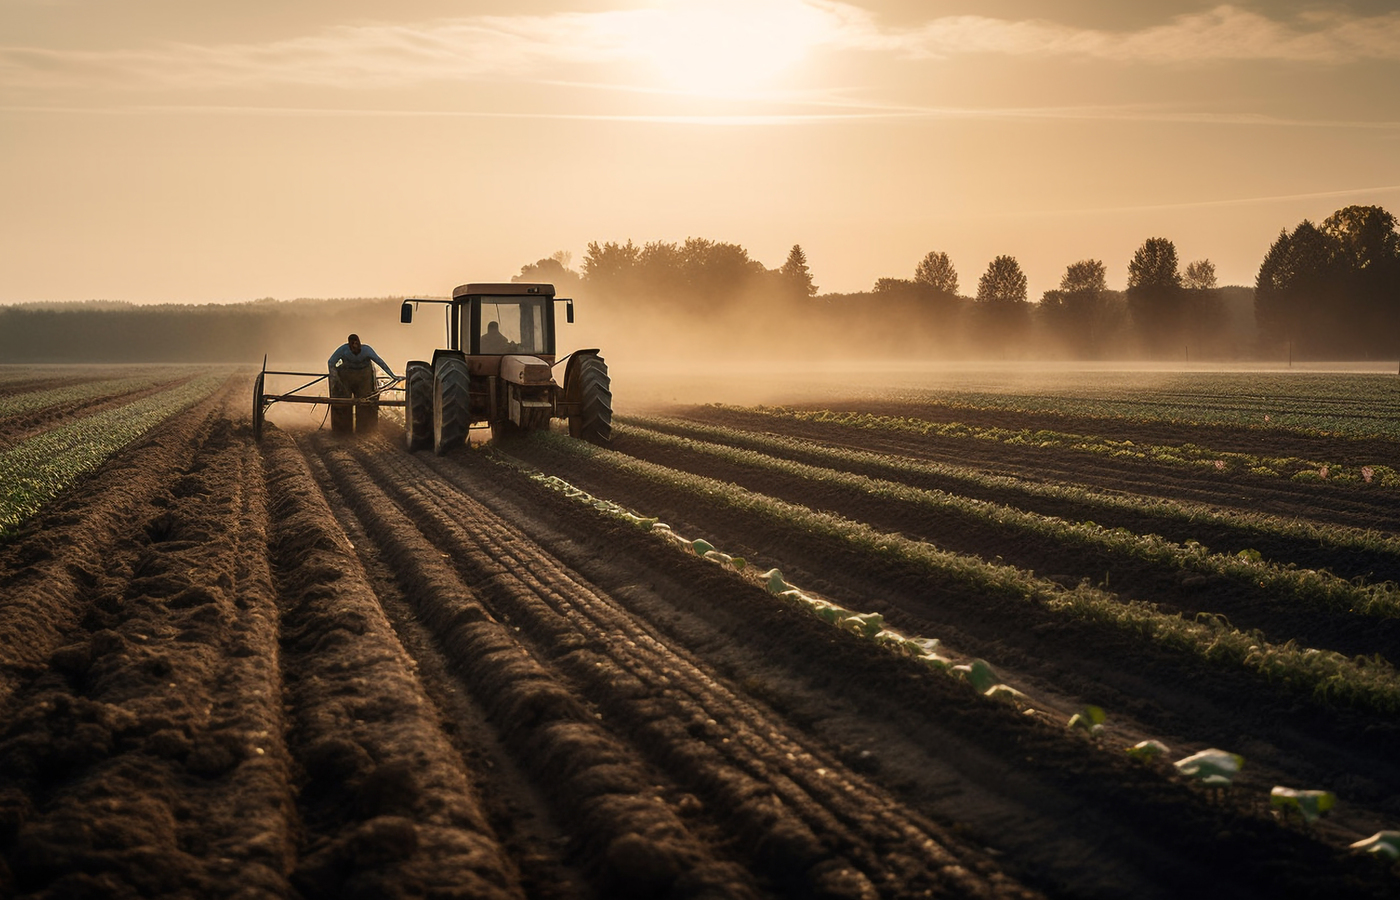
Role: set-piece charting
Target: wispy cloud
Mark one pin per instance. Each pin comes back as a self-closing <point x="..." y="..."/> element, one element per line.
<point x="1223" y="34"/>
<point x="537" y="46"/>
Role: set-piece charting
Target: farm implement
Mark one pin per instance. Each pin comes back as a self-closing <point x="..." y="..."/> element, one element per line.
<point x="348" y="414"/>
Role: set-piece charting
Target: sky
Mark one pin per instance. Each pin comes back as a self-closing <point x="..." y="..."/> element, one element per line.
<point x="194" y="151"/>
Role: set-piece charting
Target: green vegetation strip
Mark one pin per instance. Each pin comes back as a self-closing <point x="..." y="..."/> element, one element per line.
<point x="1286" y="584"/>
<point x="37" y="470"/>
<point x="1317" y="403"/>
<point x="88" y="390"/>
<point x="1188" y="455"/>
<point x="1327" y="677"/>
<point x="1176" y="512"/>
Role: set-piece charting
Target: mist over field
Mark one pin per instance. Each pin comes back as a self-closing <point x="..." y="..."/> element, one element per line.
<point x="706" y="308"/>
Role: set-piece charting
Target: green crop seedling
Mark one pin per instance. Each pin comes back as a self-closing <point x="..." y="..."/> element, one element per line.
<point x="1311" y="805"/>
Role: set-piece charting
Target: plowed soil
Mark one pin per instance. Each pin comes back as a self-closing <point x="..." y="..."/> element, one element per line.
<point x="314" y="667"/>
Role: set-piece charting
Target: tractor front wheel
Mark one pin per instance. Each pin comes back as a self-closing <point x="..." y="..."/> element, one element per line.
<point x="591" y="389"/>
<point x="418" y="405"/>
<point x="451" y="404"/>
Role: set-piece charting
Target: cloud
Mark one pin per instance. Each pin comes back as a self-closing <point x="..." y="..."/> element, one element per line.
<point x="1223" y="34"/>
<point x="540" y="47"/>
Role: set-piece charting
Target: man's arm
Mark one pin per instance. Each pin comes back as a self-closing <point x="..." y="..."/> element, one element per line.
<point x="374" y="357"/>
<point x="335" y="357"/>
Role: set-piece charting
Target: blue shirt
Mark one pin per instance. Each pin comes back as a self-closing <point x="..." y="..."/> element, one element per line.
<point x="361" y="360"/>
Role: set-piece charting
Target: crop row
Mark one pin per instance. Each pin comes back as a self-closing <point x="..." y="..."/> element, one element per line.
<point x="1203" y="458"/>
<point x="1286" y="584"/>
<point x="1335" y="403"/>
<point x="1177" y="513"/>
<point x="30" y="401"/>
<point x="1214" y="768"/>
<point x="37" y="469"/>
<point x="1324" y="676"/>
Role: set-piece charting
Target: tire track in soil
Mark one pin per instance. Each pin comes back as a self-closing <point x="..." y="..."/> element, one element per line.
<point x="810" y="825"/>
<point x="1146" y="835"/>
<point x="128" y="767"/>
<point x="1246" y="604"/>
<point x="386" y="807"/>
<point x="1167" y="694"/>
<point x="1348" y="506"/>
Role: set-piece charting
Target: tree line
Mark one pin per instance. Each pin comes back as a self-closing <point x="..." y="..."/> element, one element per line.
<point x="1328" y="291"/>
<point x="1323" y="292"/>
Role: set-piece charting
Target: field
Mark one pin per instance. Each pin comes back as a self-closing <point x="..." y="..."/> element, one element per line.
<point x="905" y="642"/>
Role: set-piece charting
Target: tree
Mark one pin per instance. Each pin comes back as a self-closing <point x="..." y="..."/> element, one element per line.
<point x="1368" y="256"/>
<point x="554" y="270"/>
<point x="1154" y="295"/>
<point x="1003" y="285"/>
<point x="1200" y="276"/>
<point x="1001" y="313"/>
<point x="611" y="267"/>
<point x="1078" y="313"/>
<point x="796" y="275"/>
<point x="1297" y="293"/>
<point x="1201" y="308"/>
<point x="935" y="271"/>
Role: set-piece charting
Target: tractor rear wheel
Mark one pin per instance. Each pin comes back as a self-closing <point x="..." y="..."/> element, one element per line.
<point x="592" y="390"/>
<point x="418" y="405"/>
<point x="451" y="404"/>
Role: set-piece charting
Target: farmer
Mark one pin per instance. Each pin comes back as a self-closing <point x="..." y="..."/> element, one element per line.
<point x="493" y="341"/>
<point x="351" y="369"/>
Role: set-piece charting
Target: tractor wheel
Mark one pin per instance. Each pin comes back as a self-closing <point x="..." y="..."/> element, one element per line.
<point x="418" y="405"/>
<point x="451" y="399"/>
<point x="592" y="389"/>
<point x="258" y="409"/>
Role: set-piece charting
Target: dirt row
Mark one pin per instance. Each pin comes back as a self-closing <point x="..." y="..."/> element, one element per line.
<point x="313" y="667"/>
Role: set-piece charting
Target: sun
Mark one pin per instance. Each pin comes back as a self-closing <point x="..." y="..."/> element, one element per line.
<point x="727" y="46"/>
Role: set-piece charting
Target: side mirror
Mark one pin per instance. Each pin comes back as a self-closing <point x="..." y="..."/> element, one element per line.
<point x="406" y="312"/>
<point x="569" y="312"/>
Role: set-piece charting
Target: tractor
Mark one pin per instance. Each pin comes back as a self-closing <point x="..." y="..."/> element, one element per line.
<point x="499" y="370"/>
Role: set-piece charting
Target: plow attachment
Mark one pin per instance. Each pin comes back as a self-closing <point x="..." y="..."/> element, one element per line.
<point x="350" y="407"/>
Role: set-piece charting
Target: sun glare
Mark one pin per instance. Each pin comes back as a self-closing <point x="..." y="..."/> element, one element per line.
<point x="726" y="46"/>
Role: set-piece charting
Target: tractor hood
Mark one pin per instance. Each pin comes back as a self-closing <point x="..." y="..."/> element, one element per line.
<point x="526" y="370"/>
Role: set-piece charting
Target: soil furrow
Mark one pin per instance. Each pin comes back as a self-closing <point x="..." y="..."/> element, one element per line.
<point x="725" y="749"/>
<point x="516" y="804"/>
<point x="636" y="843"/>
<point x="1001" y="760"/>
<point x="386" y="806"/>
<point x="56" y="560"/>
<point x="154" y="720"/>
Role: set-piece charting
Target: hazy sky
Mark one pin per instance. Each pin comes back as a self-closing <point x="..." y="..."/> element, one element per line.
<point x="187" y="150"/>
